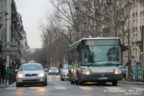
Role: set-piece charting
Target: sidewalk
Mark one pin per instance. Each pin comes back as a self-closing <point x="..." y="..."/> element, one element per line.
<point x="133" y="82"/>
<point x="5" y="84"/>
<point x="2" y="85"/>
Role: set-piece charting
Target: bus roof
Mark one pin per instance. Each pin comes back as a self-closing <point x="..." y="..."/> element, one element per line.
<point x="93" y="39"/>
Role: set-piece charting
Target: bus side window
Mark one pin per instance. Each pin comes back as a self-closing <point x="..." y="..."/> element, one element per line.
<point x="85" y="54"/>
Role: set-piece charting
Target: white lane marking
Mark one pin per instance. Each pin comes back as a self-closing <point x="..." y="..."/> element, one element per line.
<point x="11" y="88"/>
<point x="86" y="88"/>
<point x="114" y="89"/>
<point x="34" y="87"/>
<point x="140" y="89"/>
<point x="60" y="87"/>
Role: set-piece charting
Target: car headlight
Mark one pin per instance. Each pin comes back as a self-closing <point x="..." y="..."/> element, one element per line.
<point x="41" y="75"/>
<point x="117" y="71"/>
<point x="86" y="71"/>
<point x="20" y="75"/>
<point x="72" y="69"/>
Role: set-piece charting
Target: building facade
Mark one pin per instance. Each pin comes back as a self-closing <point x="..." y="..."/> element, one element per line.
<point x="134" y="25"/>
<point x="12" y="34"/>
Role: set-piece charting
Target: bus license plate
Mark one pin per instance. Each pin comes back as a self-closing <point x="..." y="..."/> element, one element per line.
<point x="102" y="78"/>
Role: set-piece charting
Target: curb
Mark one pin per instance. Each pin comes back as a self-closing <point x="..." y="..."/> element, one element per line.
<point x="11" y="85"/>
<point x="2" y="86"/>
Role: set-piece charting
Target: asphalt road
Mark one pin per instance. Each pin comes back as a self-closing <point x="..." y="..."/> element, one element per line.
<point x="56" y="87"/>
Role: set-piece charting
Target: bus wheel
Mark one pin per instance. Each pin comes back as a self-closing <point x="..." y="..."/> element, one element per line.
<point x="114" y="83"/>
<point x="80" y="83"/>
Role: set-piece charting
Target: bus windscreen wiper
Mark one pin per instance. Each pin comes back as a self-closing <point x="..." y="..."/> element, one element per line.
<point x="90" y="64"/>
<point x="101" y="60"/>
<point x="111" y="64"/>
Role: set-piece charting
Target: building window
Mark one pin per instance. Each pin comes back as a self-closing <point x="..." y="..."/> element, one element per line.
<point x="140" y="28"/>
<point x="134" y="29"/>
<point x="142" y="13"/>
<point x="135" y="14"/>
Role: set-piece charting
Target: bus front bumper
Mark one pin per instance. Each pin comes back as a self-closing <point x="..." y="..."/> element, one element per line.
<point x="101" y="77"/>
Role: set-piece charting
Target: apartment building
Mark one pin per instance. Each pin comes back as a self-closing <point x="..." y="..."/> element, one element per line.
<point x="12" y="34"/>
<point x="134" y="24"/>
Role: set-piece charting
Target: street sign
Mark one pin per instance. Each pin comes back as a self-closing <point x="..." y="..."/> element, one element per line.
<point x="134" y="61"/>
<point x="11" y="53"/>
<point x="10" y="43"/>
<point x="10" y="49"/>
<point x="4" y="51"/>
<point x="9" y="46"/>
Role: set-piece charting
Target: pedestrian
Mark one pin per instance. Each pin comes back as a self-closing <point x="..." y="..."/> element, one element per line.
<point x="2" y="71"/>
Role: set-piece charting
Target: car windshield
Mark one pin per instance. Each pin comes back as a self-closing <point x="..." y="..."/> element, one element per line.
<point x="65" y="67"/>
<point x="53" y="68"/>
<point x="101" y="55"/>
<point x="31" y="67"/>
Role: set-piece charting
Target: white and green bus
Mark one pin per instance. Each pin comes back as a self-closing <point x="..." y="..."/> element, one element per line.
<point x="95" y="60"/>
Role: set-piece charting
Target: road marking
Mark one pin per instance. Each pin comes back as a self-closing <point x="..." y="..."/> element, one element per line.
<point x="114" y="89"/>
<point x="86" y="88"/>
<point x="34" y="87"/>
<point x="11" y="88"/>
<point x="140" y="89"/>
<point x="60" y="87"/>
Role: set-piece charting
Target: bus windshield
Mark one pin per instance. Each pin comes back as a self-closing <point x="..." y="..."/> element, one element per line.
<point x="102" y="55"/>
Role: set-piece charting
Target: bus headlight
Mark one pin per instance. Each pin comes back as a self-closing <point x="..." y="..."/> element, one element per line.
<point x="20" y="75"/>
<point x="117" y="71"/>
<point x="86" y="71"/>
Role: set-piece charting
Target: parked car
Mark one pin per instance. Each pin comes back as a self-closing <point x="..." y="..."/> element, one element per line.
<point x="32" y="73"/>
<point x="64" y="73"/>
<point x="53" y="71"/>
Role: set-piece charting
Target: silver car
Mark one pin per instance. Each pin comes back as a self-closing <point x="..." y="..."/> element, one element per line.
<point x="31" y="74"/>
<point x="64" y="73"/>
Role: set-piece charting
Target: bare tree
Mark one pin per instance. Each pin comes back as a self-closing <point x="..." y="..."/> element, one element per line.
<point x="75" y="19"/>
<point x="54" y="42"/>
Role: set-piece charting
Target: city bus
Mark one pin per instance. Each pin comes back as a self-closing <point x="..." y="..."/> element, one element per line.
<point x="95" y="60"/>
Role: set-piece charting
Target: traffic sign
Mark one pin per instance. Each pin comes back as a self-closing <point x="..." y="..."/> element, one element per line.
<point x="10" y="48"/>
<point x="11" y="53"/>
<point x="4" y="51"/>
<point x="10" y="43"/>
<point x="134" y="61"/>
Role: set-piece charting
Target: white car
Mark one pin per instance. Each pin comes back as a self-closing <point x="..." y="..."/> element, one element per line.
<point x="64" y="73"/>
<point x="32" y="73"/>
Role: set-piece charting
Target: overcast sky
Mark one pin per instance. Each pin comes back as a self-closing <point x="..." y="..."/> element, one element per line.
<point x="34" y="13"/>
